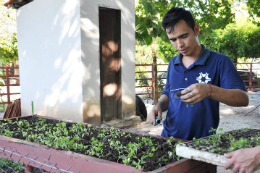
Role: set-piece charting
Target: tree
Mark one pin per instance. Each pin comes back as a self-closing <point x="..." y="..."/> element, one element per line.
<point x="148" y="22"/>
<point x="241" y="39"/>
<point x="166" y="51"/>
<point x="9" y="49"/>
<point x="209" y="14"/>
<point x="253" y="10"/>
<point x="148" y="28"/>
<point x="8" y="36"/>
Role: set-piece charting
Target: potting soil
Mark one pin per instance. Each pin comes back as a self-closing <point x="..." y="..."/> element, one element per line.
<point x="141" y="151"/>
<point x="211" y="149"/>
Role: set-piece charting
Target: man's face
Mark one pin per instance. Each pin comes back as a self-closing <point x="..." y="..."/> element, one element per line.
<point x="183" y="38"/>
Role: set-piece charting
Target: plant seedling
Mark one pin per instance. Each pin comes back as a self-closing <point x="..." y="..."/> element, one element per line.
<point x="119" y="146"/>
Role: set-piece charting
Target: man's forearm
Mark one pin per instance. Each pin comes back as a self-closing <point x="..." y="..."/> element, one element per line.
<point x="231" y="97"/>
<point x="163" y="102"/>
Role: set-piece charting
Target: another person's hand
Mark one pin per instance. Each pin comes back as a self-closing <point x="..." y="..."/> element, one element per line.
<point x="244" y="160"/>
<point x="156" y="112"/>
<point x="195" y="93"/>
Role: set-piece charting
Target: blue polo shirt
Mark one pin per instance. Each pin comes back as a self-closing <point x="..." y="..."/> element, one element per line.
<point x="186" y="121"/>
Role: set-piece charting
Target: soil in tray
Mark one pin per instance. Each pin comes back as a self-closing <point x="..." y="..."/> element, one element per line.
<point x="143" y="152"/>
<point x="226" y="142"/>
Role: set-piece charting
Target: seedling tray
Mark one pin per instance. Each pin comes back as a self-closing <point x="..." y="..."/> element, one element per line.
<point x="211" y="149"/>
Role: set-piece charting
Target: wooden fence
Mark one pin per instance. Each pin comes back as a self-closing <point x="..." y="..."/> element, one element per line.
<point x="145" y="81"/>
<point x="9" y="85"/>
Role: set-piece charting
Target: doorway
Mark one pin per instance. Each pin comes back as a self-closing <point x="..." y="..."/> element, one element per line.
<point x="110" y="63"/>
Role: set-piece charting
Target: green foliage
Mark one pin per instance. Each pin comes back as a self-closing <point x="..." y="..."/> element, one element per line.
<point x="8" y="36"/>
<point x="5" y="163"/>
<point x="166" y="51"/>
<point x="148" y="21"/>
<point x="8" y="50"/>
<point x="236" y="40"/>
<point x="216" y="20"/>
<point x="253" y="10"/>
<point x="143" y="54"/>
<point x="209" y="15"/>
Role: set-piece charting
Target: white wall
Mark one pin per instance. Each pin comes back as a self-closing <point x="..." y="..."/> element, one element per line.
<point x="50" y="58"/>
<point x="58" y="43"/>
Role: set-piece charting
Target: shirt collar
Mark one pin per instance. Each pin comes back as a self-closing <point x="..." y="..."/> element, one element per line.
<point x="202" y="59"/>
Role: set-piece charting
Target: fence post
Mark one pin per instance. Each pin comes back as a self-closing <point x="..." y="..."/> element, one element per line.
<point x="7" y="85"/>
<point x="250" y="78"/>
<point x="155" y="96"/>
<point x="152" y="82"/>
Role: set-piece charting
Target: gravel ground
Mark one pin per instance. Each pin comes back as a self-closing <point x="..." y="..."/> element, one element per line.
<point x="231" y="118"/>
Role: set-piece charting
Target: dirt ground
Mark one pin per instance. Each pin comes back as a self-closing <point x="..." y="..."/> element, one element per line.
<point x="231" y="118"/>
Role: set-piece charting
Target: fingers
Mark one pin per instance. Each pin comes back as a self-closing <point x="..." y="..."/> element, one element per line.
<point x="229" y="155"/>
<point x="159" y="115"/>
<point x="235" y="170"/>
<point x="189" y="95"/>
<point x="151" y="117"/>
<point x="194" y="93"/>
<point x="153" y="114"/>
<point x="242" y="161"/>
<point x="229" y="163"/>
<point x="187" y="90"/>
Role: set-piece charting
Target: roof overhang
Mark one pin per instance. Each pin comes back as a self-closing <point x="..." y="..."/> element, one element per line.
<point x="16" y="3"/>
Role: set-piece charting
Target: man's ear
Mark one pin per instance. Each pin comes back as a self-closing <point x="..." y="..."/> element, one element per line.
<point x="197" y="29"/>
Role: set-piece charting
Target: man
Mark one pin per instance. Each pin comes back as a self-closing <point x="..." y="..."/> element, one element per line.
<point x="204" y="78"/>
<point x="244" y="160"/>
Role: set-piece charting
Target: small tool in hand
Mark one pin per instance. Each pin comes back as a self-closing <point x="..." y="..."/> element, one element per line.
<point x="157" y="121"/>
<point x="177" y="94"/>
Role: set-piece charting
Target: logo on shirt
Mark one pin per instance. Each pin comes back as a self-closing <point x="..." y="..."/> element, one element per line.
<point x="203" y="78"/>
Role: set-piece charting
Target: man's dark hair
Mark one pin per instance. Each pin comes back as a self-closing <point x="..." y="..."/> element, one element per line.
<point x="174" y="15"/>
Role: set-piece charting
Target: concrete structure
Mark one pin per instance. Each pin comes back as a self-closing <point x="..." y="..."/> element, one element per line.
<point x="63" y="53"/>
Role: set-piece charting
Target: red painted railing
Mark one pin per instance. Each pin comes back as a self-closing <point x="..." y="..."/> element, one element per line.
<point x="250" y="73"/>
<point x="8" y="75"/>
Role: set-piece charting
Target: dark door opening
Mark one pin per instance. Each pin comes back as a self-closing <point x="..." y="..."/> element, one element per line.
<point x="110" y="63"/>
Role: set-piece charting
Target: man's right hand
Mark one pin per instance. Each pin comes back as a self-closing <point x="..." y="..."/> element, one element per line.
<point x="162" y="105"/>
<point x="156" y="112"/>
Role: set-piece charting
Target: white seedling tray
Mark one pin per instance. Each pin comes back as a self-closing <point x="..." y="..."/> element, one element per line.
<point x="201" y="152"/>
<point x="205" y="156"/>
